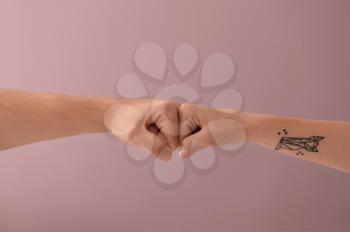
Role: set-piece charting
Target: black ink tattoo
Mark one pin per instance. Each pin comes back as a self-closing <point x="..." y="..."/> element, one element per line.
<point x="300" y="153"/>
<point x="284" y="131"/>
<point x="295" y="143"/>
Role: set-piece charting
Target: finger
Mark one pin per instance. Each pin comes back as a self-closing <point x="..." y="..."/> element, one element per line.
<point x="165" y="155"/>
<point x="188" y="124"/>
<point x="194" y="143"/>
<point x="185" y="130"/>
<point x="170" y="132"/>
<point x="168" y="124"/>
<point x="152" y="144"/>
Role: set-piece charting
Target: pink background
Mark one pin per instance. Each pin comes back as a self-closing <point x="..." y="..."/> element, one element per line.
<point x="293" y="58"/>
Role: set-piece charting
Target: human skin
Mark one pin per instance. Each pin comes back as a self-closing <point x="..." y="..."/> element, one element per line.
<point x="159" y="127"/>
<point x="332" y="150"/>
<point x="151" y="125"/>
<point x="32" y="117"/>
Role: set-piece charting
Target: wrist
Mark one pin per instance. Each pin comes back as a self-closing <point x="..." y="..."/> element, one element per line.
<point x="253" y="124"/>
<point x="92" y="110"/>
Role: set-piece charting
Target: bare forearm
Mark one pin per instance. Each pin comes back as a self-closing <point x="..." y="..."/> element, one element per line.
<point x="319" y="141"/>
<point x="30" y="117"/>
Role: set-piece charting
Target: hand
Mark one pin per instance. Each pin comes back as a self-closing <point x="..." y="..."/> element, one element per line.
<point x="149" y="124"/>
<point x="201" y="127"/>
<point x="158" y="127"/>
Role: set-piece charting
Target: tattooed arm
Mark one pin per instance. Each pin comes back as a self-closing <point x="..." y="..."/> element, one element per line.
<point x="323" y="142"/>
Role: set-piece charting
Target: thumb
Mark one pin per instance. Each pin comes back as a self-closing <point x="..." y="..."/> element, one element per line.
<point x="152" y="144"/>
<point x="194" y="142"/>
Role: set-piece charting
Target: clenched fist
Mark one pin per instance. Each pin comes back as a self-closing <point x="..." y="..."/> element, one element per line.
<point x="149" y="124"/>
<point x="159" y="127"/>
<point x="201" y="127"/>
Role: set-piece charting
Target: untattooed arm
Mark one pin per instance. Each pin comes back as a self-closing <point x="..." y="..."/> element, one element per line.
<point x="31" y="117"/>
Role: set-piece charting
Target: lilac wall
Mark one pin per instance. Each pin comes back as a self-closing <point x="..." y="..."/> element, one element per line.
<point x="293" y="58"/>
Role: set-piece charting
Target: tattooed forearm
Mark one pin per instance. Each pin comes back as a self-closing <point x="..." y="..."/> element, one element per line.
<point x="298" y="143"/>
<point x="320" y="141"/>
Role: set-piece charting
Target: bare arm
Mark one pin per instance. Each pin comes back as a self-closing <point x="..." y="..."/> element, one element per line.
<point x="30" y="117"/>
<point x="323" y="142"/>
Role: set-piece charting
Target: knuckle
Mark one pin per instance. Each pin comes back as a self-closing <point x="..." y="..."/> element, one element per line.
<point x="172" y="103"/>
<point x="186" y="108"/>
